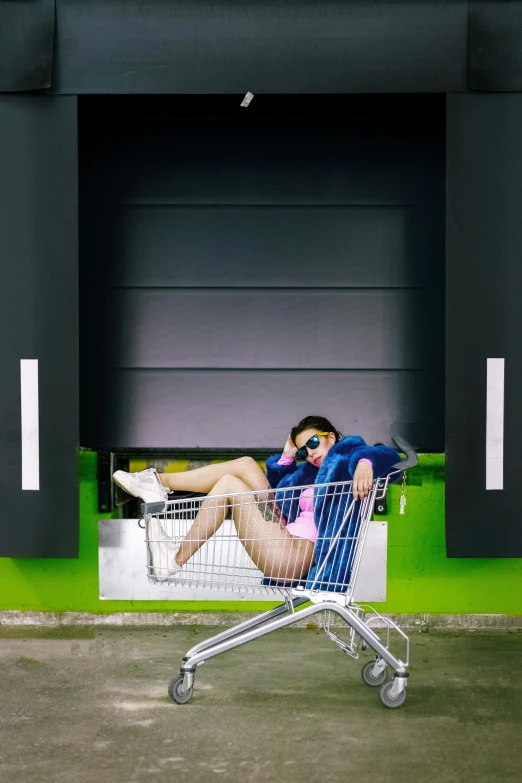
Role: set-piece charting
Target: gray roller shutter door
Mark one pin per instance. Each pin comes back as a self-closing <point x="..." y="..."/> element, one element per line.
<point x="245" y="274"/>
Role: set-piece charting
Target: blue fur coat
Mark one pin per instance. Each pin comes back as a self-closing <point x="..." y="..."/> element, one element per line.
<point x="330" y="504"/>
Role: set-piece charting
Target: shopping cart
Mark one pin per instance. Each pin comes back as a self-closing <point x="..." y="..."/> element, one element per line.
<point x="323" y="576"/>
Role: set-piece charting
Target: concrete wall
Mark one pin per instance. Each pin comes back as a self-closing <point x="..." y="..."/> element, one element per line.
<point x="420" y="576"/>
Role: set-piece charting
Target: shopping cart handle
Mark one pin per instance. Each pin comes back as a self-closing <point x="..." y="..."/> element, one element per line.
<point x="411" y="456"/>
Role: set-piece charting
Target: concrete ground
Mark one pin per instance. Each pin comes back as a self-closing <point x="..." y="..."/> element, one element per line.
<point x="90" y="705"/>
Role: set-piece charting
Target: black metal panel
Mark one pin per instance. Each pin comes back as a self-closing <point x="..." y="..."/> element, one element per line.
<point x="292" y="328"/>
<point x="239" y="409"/>
<point x="26" y="44"/>
<point x="228" y="46"/>
<point x="495" y="43"/>
<point x="260" y="158"/>
<point x="39" y="319"/>
<point x="204" y="245"/>
<point x="484" y="318"/>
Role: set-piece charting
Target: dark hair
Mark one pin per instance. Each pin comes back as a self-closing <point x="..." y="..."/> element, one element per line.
<point x="318" y="423"/>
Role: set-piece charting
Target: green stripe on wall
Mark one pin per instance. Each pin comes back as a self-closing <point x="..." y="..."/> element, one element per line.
<point x="420" y="576"/>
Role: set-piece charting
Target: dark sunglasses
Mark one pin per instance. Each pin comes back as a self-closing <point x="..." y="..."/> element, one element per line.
<point x="311" y="443"/>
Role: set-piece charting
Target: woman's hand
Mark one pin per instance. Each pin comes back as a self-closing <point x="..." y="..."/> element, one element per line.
<point x="290" y="449"/>
<point x="362" y="480"/>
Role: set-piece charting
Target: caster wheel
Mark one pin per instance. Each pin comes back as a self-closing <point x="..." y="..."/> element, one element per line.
<point x="177" y="692"/>
<point x="369" y="678"/>
<point x="388" y="700"/>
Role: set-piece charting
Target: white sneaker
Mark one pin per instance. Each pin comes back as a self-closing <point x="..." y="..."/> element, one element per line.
<point x="145" y="485"/>
<point x="162" y="552"/>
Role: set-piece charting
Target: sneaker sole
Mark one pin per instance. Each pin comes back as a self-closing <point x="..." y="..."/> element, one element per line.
<point x="119" y="478"/>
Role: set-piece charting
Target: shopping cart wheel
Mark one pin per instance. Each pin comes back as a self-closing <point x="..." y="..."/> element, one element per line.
<point x="177" y="692"/>
<point x="390" y="701"/>
<point x="368" y="676"/>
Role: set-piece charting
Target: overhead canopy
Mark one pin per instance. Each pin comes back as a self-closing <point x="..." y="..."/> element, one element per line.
<point x="27" y="30"/>
<point x="265" y="46"/>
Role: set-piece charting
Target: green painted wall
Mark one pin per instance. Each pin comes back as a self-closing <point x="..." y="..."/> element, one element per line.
<point x="420" y="576"/>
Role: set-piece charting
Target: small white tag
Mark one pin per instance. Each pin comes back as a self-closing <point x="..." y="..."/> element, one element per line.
<point x="402" y="503"/>
<point x="247" y="99"/>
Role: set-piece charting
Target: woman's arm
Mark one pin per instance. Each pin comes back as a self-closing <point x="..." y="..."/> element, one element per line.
<point x="364" y="463"/>
<point x="275" y="470"/>
<point x="281" y="465"/>
<point x="382" y="458"/>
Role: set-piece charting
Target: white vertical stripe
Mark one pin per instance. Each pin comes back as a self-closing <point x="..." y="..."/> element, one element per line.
<point x="495" y="425"/>
<point x="30" y="425"/>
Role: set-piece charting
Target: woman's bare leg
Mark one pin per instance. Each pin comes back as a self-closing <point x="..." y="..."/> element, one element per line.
<point x="274" y="551"/>
<point x="203" y="479"/>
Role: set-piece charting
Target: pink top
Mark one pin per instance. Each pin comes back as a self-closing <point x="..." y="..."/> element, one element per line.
<point x="304" y="525"/>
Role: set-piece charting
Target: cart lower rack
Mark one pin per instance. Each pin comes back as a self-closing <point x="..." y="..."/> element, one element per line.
<point x="241" y="542"/>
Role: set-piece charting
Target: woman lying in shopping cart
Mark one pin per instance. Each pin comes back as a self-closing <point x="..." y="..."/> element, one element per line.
<point x="286" y="532"/>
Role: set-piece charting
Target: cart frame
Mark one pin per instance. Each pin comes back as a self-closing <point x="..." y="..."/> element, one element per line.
<point x="374" y="673"/>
